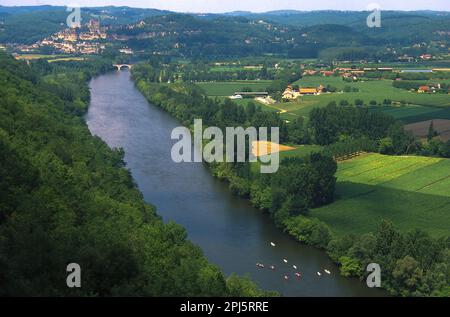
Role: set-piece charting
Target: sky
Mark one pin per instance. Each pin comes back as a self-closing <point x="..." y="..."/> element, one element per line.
<point x="216" y="6"/>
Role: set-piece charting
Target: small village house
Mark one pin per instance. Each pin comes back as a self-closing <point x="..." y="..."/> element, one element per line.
<point x="292" y="94"/>
<point x="423" y="89"/>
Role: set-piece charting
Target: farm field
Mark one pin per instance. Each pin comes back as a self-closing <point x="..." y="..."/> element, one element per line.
<point x="234" y="68"/>
<point x="377" y="90"/>
<point x="411" y="191"/>
<point x="419" y="107"/>
<point x="282" y="108"/>
<point x="420" y="129"/>
<point x="66" y="59"/>
<point x="228" y="88"/>
<point x="244" y="102"/>
<point x="315" y="81"/>
<point x="411" y="114"/>
<point x="406" y="112"/>
<point x="37" y="56"/>
<point x="445" y="136"/>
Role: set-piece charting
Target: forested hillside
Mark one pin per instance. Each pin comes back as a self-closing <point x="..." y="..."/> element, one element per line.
<point x="66" y="197"/>
<point x="254" y="35"/>
<point x="325" y="34"/>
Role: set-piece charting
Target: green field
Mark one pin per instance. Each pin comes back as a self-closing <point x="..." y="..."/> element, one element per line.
<point x="377" y="90"/>
<point x="412" y="192"/>
<point x="315" y="81"/>
<point x="230" y="87"/>
<point x="415" y="113"/>
<point x="38" y="56"/>
<point x="66" y="59"/>
<point x="418" y="107"/>
<point x="224" y="69"/>
<point x="244" y="102"/>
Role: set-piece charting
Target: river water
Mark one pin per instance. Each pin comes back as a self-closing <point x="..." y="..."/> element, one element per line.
<point x="232" y="234"/>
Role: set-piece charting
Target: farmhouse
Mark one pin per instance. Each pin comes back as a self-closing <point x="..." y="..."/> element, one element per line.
<point x="428" y="89"/>
<point x="308" y="91"/>
<point x="292" y="94"/>
<point x="423" y="89"/>
<point x="426" y="57"/>
<point x="309" y="72"/>
<point x="327" y="73"/>
<point x="350" y="73"/>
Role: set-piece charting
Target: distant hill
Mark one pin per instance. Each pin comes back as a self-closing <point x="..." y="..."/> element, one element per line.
<point x="27" y="9"/>
<point x="294" y="34"/>
<point x="308" y="18"/>
<point x="30" y="26"/>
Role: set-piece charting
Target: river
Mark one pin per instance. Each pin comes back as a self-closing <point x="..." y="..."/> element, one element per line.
<point x="232" y="234"/>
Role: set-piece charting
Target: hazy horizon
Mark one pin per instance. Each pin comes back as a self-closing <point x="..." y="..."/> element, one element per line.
<point x="255" y="6"/>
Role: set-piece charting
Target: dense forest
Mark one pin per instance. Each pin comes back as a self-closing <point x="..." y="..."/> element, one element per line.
<point x="414" y="263"/>
<point x="66" y="197"/>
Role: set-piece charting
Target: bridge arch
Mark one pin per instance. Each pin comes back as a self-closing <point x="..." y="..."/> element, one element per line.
<point x="120" y="66"/>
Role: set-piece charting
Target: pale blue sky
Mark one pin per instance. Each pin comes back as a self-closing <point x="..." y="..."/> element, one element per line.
<point x="249" y="5"/>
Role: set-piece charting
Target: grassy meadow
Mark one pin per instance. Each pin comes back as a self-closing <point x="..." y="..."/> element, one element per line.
<point x="228" y="88"/>
<point x="412" y="192"/>
<point x="417" y="105"/>
<point x="407" y="106"/>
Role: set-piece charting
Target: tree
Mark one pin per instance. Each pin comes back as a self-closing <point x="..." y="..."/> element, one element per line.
<point x="386" y="236"/>
<point x="402" y="141"/>
<point x="309" y="180"/>
<point x="407" y="276"/>
<point x="444" y="149"/>
<point x="386" y="146"/>
<point x="250" y="110"/>
<point x="309" y="230"/>
<point x="330" y="88"/>
<point x="343" y="103"/>
<point x="350" y="267"/>
<point x="245" y="287"/>
<point x="432" y="133"/>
